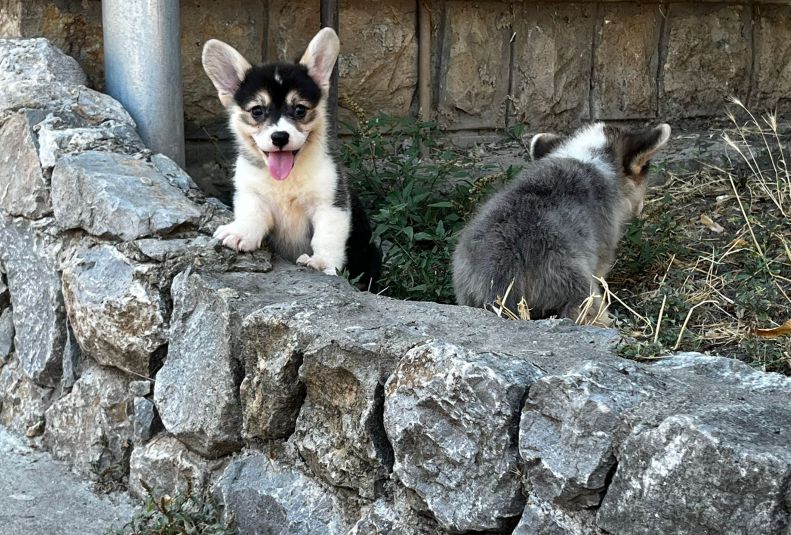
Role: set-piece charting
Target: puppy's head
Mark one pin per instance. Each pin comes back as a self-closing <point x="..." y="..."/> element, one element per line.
<point x="274" y="108"/>
<point x="626" y="151"/>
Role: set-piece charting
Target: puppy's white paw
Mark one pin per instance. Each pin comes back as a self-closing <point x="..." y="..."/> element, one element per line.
<point x="239" y="237"/>
<point x="318" y="263"/>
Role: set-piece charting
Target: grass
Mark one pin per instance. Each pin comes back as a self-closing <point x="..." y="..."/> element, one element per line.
<point x="419" y="194"/>
<point x="706" y="268"/>
<point x="188" y="513"/>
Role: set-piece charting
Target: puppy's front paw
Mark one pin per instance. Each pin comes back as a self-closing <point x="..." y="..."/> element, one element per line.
<point x="318" y="263"/>
<point x="239" y="237"/>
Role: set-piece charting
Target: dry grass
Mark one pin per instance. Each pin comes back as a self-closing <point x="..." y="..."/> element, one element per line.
<point x="709" y="264"/>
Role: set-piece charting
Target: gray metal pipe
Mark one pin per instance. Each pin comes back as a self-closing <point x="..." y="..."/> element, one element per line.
<point x="142" y="69"/>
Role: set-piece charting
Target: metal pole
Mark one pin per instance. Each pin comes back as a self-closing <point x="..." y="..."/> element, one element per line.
<point x="142" y="69"/>
<point x="331" y="18"/>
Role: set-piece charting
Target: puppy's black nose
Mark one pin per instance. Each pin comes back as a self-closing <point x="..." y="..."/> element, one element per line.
<point x="280" y="139"/>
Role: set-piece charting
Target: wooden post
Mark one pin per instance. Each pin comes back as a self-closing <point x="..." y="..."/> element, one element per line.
<point x="330" y="18"/>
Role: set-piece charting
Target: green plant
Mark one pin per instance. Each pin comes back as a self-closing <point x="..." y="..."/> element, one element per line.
<point x="187" y="513"/>
<point x="419" y="195"/>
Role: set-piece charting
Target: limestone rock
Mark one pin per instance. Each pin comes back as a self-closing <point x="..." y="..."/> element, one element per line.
<point x="6" y="334"/>
<point x="167" y="465"/>
<point x="115" y="308"/>
<point x="140" y="389"/>
<point x="116" y="196"/>
<point x="451" y="415"/>
<point x="24" y="191"/>
<point x="546" y="519"/>
<point x="22" y="402"/>
<point x="28" y="253"/>
<point x="716" y="470"/>
<point x="196" y="391"/>
<point x="393" y="516"/>
<point x="144" y="420"/>
<point x="36" y="60"/>
<point x="56" y="139"/>
<point x="708" y="58"/>
<point x="4" y="297"/>
<point x="91" y="427"/>
<point x="266" y="496"/>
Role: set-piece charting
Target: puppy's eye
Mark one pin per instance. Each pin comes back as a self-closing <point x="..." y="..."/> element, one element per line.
<point x="300" y="111"/>
<point x="257" y="111"/>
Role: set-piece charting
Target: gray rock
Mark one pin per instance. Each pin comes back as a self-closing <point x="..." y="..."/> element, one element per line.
<point x="56" y="139"/>
<point x="143" y="421"/>
<point x="115" y="196"/>
<point x="6" y="335"/>
<point x="571" y="427"/>
<point x="4" y="297"/>
<point x="166" y="465"/>
<point x="720" y="470"/>
<point x="72" y="356"/>
<point x="28" y="253"/>
<point x="547" y="519"/>
<point x="451" y="415"/>
<point x="37" y="61"/>
<point x="24" y="190"/>
<point x="115" y="308"/>
<point x="266" y="496"/>
<point x="22" y="402"/>
<point x="393" y="516"/>
<point x="91" y="427"/>
<point x="196" y="391"/>
<point x="139" y="388"/>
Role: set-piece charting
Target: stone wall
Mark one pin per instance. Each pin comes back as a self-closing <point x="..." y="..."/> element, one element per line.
<point x="136" y="349"/>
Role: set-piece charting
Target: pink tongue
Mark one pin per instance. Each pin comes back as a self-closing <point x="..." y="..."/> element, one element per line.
<point x="280" y="164"/>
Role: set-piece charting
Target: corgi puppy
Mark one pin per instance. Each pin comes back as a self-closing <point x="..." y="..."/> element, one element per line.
<point x="548" y="233"/>
<point x="288" y="188"/>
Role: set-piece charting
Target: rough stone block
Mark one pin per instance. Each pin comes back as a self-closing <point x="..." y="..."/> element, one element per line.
<point x="56" y="139"/>
<point x="707" y="59"/>
<point x="473" y="81"/>
<point x="393" y="515"/>
<point x="115" y="307"/>
<point x="266" y="496"/>
<point x="717" y="470"/>
<point x="6" y="334"/>
<point x="546" y="519"/>
<point x="626" y="61"/>
<point x="167" y="465"/>
<point x="451" y="416"/>
<point x="29" y="253"/>
<point x="144" y="420"/>
<point x="24" y="190"/>
<point x="197" y="390"/>
<point x="772" y="79"/>
<point x="91" y="427"/>
<point x="37" y="61"/>
<point x="22" y="402"/>
<point x="116" y="196"/>
<point x="552" y="64"/>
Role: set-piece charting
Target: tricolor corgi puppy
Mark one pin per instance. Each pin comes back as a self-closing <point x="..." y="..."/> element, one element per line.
<point x="556" y="226"/>
<point x="288" y="188"/>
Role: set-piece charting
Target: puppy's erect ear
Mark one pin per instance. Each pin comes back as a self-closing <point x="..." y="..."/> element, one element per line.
<point x="641" y="144"/>
<point x="543" y="144"/>
<point x="226" y="68"/>
<point x="321" y="55"/>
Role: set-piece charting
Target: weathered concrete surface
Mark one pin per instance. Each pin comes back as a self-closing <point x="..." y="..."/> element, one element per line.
<point x="627" y="61"/>
<point x="41" y="495"/>
<point x="707" y="58"/>
<point x="473" y="83"/>
<point x="28" y="253"/>
<point x="92" y="426"/>
<point x="116" y="196"/>
<point x="552" y="64"/>
<point x="115" y="307"/>
<point x="266" y="496"/>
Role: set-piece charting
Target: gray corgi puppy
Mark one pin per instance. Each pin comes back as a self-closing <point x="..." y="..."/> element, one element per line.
<point x="288" y="188"/>
<point x="554" y="228"/>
